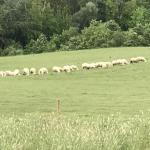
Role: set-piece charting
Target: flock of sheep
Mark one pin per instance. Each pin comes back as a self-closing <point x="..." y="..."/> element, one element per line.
<point x="100" y="64"/>
<point x="25" y="71"/>
<point x="70" y="68"/>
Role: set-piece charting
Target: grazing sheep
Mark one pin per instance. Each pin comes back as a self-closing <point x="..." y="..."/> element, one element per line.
<point x="16" y="72"/>
<point x="115" y="62"/>
<point x="43" y="71"/>
<point x="33" y="71"/>
<point x="74" y="68"/>
<point x="66" y="68"/>
<point x="96" y="65"/>
<point x="133" y="60"/>
<point x="57" y="69"/>
<point x="10" y="73"/>
<point x="7" y="73"/>
<point x="88" y="66"/>
<point x="141" y="58"/>
<point x="99" y="64"/>
<point x="125" y="62"/>
<point x="2" y="74"/>
<point x="107" y="64"/>
<point x="92" y="65"/>
<point x="104" y="65"/>
<point x="85" y="66"/>
<point x="137" y="59"/>
<point x="26" y="71"/>
<point x="120" y="62"/>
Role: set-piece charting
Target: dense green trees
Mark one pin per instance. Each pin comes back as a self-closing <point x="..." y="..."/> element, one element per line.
<point x="35" y="26"/>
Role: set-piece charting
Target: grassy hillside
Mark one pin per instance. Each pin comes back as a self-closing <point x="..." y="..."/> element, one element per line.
<point x="120" y="89"/>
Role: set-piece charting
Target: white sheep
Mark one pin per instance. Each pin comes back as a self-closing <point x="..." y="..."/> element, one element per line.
<point x="117" y="62"/>
<point x="2" y="74"/>
<point x="26" y="71"/>
<point x="137" y="59"/>
<point x="133" y="60"/>
<point x="16" y="72"/>
<point x="104" y="65"/>
<point x="93" y="65"/>
<point x="74" y="68"/>
<point x="123" y="62"/>
<point x="85" y="66"/>
<point x="99" y="64"/>
<point x="66" y="68"/>
<point x="10" y="73"/>
<point x="43" y="71"/>
<point x="120" y="62"/>
<point x="57" y="69"/>
<point x="33" y="71"/>
<point x="88" y="66"/>
<point x="108" y="64"/>
<point x="141" y="58"/>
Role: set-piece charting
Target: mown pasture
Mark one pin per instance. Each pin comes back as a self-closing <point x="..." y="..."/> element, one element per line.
<point x="122" y="89"/>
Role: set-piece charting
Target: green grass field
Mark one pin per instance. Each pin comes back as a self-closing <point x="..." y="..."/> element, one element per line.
<point x="124" y="89"/>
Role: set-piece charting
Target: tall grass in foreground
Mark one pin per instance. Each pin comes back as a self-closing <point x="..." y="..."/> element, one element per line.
<point x="55" y="132"/>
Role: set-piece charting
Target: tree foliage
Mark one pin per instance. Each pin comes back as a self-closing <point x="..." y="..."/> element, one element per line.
<point x="68" y="24"/>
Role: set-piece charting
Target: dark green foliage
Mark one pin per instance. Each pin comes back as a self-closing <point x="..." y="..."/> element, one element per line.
<point x="12" y="50"/>
<point x="68" y="25"/>
<point x="38" y="46"/>
<point x="112" y="25"/>
<point x="118" y="39"/>
<point x="84" y="16"/>
<point x="60" y="41"/>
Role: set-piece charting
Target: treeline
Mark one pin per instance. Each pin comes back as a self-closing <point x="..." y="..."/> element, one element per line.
<point x="36" y="26"/>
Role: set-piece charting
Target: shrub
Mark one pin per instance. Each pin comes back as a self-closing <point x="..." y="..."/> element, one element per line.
<point x="67" y="34"/>
<point x="12" y="50"/>
<point x="138" y="36"/>
<point x="118" y="39"/>
<point x="146" y="34"/>
<point x="60" y="41"/>
<point x="54" y="43"/>
<point x="37" y="46"/>
<point x="112" y="25"/>
<point x="74" y="43"/>
<point x="96" y="35"/>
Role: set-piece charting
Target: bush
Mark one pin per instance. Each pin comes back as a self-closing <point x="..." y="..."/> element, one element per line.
<point x="118" y="39"/>
<point x="60" y="41"/>
<point x="11" y="51"/>
<point x="136" y="37"/>
<point x="67" y="34"/>
<point x="112" y="25"/>
<point x="54" y="43"/>
<point x="96" y="35"/>
<point x="146" y="34"/>
<point x="74" y="43"/>
<point x="38" y="46"/>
